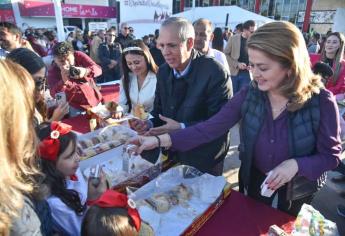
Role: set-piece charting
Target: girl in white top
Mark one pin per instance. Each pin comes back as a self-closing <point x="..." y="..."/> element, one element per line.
<point x="68" y="189"/>
<point x="139" y="78"/>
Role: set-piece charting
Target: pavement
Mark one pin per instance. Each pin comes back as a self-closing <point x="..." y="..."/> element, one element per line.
<point x="325" y="201"/>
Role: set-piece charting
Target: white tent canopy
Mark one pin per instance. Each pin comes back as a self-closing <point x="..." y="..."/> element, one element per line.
<point x="218" y="15"/>
<point x="215" y="14"/>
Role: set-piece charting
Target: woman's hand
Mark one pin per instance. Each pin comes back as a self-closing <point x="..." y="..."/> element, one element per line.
<point x="282" y="174"/>
<point x="143" y="143"/>
<point x="149" y="142"/>
<point x="94" y="192"/>
<point x="60" y="111"/>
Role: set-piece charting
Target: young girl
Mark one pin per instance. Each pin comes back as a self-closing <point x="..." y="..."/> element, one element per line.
<point x="68" y="189"/>
<point x="113" y="214"/>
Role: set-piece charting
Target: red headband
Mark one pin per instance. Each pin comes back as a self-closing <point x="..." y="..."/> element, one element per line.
<point x="50" y="146"/>
<point x="111" y="198"/>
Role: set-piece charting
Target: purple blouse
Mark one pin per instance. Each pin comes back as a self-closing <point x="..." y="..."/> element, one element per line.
<point x="271" y="146"/>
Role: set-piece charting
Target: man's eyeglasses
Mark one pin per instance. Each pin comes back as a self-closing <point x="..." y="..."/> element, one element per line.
<point x="112" y="35"/>
<point x="126" y="28"/>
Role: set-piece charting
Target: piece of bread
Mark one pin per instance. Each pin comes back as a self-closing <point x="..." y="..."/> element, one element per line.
<point x="160" y="202"/>
<point x="139" y="112"/>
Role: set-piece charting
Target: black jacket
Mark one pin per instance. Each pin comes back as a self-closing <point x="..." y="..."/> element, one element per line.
<point x="107" y="53"/>
<point x="207" y="89"/>
<point x="123" y="40"/>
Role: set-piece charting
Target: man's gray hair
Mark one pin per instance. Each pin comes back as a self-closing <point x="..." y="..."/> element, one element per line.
<point x="184" y="27"/>
<point x="123" y="24"/>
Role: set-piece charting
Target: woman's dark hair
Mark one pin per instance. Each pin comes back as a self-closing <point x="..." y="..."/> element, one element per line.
<point x="32" y="63"/>
<point x="27" y="59"/>
<point x="151" y="65"/>
<point x="218" y="42"/>
<point x="55" y="180"/>
<point x="62" y="49"/>
<point x="107" y="221"/>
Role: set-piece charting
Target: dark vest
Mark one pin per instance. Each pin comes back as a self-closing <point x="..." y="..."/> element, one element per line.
<point x="302" y="131"/>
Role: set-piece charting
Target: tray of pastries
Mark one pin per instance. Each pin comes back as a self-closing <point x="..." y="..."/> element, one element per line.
<point x="175" y="199"/>
<point x="101" y="140"/>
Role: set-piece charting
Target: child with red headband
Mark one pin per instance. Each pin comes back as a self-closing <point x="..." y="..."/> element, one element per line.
<point x="113" y="214"/>
<point x="68" y="189"/>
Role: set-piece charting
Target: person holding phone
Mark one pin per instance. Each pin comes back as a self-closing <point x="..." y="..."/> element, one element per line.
<point x="73" y="73"/>
<point x="36" y="67"/>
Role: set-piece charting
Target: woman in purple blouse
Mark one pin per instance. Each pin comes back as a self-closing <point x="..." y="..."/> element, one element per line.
<point x="289" y="122"/>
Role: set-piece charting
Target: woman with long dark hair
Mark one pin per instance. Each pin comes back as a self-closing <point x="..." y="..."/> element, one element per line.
<point x="36" y="67"/>
<point x="218" y="41"/>
<point x="139" y="78"/>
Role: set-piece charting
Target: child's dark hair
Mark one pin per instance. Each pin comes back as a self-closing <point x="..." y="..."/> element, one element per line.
<point x="55" y="180"/>
<point x="107" y="221"/>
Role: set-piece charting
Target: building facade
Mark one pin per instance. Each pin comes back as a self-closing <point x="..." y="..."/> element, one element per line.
<point x="41" y="14"/>
<point x="322" y="11"/>
<point x="322" y="14"/>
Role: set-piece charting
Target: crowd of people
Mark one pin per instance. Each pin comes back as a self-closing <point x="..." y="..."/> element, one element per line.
<point x="196" y="82"/>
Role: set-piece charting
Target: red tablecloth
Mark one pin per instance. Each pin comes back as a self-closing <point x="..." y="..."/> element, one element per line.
<point x="110" y="92"/>
<point x="80" y="123"/>
<point x="240" y="215"/>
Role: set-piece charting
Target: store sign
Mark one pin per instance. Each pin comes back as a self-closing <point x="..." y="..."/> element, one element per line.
<point x="7" y="15"/>
<point x="95" y="26"/>
<point x="318" y="17"/>
<point x="46" y="9"/>
<point x="145" y="11"/>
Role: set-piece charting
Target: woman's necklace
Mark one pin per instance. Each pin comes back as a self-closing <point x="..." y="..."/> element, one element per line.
<point x="278" y="110"/>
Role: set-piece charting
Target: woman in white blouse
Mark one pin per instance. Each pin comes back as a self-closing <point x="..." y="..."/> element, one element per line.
<point x="139" y="78"/>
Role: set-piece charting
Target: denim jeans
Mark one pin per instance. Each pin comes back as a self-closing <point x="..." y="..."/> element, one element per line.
<point x="240" y="80"/>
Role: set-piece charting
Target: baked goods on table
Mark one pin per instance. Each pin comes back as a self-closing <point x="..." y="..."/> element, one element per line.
<point x="175" y="199"/>
<point x="106" y="110"/>
<point x="112" y="168"/>
<point x="99" y="141"/>
<point x="139" y="112"/>
<point x="162" y="202"/>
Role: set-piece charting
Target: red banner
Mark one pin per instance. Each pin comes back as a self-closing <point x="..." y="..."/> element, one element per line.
<point x="44" y="9"/>
<point x="7" y="15"/>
